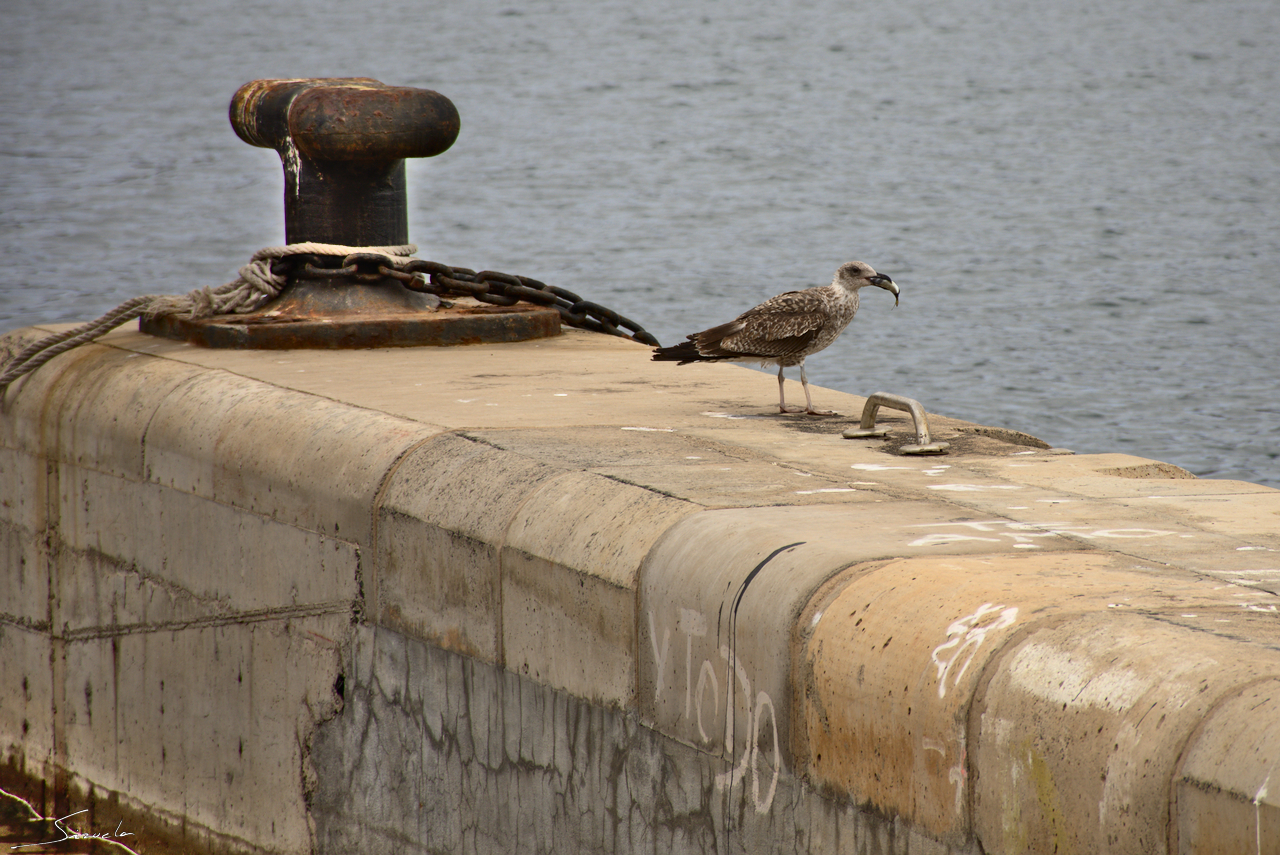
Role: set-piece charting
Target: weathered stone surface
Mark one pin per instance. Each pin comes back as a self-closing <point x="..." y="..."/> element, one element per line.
<point x="895" y="653"/>
<point x="708" y="473"/>
<point x="570" y="562"/>
<point x="304" y="460"/>
<point x="718" y="608"/>
<point x="217" y="714"/>
<point x="28" y="682"/>
<point x="24" y="507"/>
<point x="141" y="553"/>
<point x="471" y="599"/>
<point x="95" y="406"/>
<point x="442" y="522"/>
<point x="1114" y="700"/>
<point x="1227" y="799"/>
<point x="437" y="752"/>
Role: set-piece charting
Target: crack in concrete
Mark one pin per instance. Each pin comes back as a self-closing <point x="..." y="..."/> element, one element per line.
<point x="439" y="752"/>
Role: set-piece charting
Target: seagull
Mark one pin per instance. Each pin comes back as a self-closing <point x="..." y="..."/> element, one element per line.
<point x="784" y="329"/>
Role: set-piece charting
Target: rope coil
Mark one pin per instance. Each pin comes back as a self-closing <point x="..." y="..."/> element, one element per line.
<point x="254" y="287"/>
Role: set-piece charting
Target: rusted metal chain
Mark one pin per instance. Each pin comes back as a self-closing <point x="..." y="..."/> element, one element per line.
<point x="504" y="289"/>
<point x="263" y="278"/>
<point x="487" y="286"/>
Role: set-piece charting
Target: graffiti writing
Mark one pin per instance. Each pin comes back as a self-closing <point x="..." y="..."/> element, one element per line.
<point x="744" y="713"/>
<point x="1024" y="535"/>
<point x="967" y="634"/>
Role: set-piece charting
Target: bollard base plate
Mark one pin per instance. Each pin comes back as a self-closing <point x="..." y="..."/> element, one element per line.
<point x="439" y="328"/>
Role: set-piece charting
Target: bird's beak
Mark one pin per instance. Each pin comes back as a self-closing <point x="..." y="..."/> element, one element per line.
<point x="887" y="284"/>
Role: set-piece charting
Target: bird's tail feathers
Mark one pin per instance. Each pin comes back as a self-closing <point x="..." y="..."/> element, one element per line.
<point x="683" y="353"/>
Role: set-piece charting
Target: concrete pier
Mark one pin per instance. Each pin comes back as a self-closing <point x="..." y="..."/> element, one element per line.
<point x="549" y="596"/>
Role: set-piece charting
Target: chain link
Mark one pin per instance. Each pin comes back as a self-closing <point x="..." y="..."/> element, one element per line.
<point x="487" y="286"/>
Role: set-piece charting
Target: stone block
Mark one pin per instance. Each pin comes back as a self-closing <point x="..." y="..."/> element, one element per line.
<point x="139" y="552"/>
<point x="300" y="459"/>
<point x="1079" y="733"/>
<point x="205" y="724"/>
<point x="718" y="613"/>
<point x="26" y="692"/>
<point x="1227" y="792"/>
<point x="25" y="480"/>
<point x="711" y="474"/>
<point x="893" y="655"/>
<point x="91" y="407"/>
<point x="24" y="570"/>
<point x="442" y="520"/>
<point x="570" y="562"/>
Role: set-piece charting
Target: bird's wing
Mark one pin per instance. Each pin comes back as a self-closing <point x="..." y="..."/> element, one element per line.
<point x="774" y="342"/>
<point x="781" y="326"/>
<point x="798" y="310"/>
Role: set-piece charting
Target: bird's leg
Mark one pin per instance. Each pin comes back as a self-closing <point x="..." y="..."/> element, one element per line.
<point x="782" y="399"/>
<point x="804" y="381"/>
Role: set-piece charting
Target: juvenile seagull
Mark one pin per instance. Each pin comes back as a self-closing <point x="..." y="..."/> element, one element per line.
<point x="784" y="329"/>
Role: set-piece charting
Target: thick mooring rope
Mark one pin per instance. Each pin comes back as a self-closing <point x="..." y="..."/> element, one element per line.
<point x="253" y="288"/>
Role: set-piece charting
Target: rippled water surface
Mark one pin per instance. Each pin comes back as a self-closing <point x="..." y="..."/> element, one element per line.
<point x="1079" y="200"/>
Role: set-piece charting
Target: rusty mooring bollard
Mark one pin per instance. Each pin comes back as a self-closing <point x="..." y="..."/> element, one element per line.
<point x="343" y="143"/>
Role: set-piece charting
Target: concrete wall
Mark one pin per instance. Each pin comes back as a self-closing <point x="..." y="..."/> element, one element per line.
<point x="549" y="596"/>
